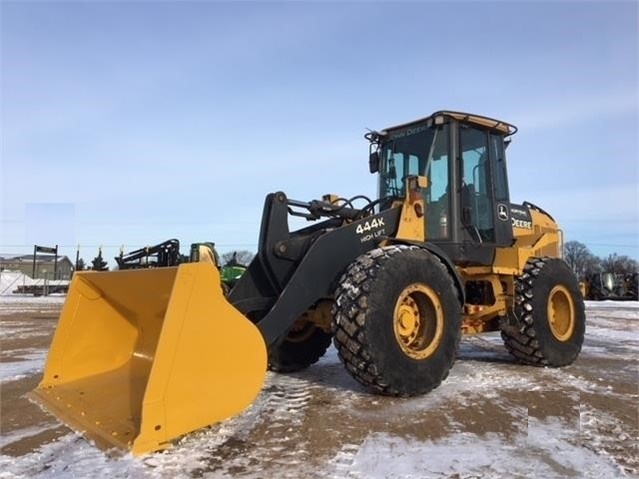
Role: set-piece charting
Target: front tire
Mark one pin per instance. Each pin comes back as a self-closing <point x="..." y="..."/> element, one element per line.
<point x="549" y="320"/>
<point x="303" y="346"/>
<point x="397" y="320"/>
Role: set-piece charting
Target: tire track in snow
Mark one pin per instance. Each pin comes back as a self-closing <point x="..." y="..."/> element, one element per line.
<point x="269" y="434"/>
<point x="282" y="446"/>
<point x="341" y="466"/>
<point x="607" y="436"/>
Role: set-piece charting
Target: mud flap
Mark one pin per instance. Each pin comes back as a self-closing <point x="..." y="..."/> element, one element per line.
<point x="142" y="357"/>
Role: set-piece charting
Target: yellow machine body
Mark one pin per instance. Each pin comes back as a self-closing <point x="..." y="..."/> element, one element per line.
<point x="141" y="357"/>
<point x="544" y="239"/>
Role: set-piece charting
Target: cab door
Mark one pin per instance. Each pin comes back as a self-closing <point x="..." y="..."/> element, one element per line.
<point x="483" y="202"/>
<point x="502" y="215"/>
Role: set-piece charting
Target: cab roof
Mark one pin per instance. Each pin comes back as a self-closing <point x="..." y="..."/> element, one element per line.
<point x="480" y="120"/>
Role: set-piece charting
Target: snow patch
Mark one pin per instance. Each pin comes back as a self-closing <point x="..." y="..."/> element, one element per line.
<point x="631" y="336"/>
<point x="21" y="331"/>
<point x="19" y="434"/>
<point x="612" y="304"/>
<point x="27" y="364"/>
<point x="10" y="280"/>
<point x="18" y="303"/>
<point x="71" y="456"/>
<point x="546" y="451"/>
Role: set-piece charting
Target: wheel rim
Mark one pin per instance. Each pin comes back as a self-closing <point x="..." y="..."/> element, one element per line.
<point x="561" y="313"/>
<point x="301" y="331"/>
<point x="418" y="321"/>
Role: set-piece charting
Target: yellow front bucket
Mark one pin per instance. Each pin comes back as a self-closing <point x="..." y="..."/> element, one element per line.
<point x="141" y="357"/>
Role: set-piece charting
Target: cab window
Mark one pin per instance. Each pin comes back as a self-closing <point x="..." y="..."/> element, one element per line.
<point x="436" y="197"/>
<point x="476" y="188"/>
<point x="499" y="167"/>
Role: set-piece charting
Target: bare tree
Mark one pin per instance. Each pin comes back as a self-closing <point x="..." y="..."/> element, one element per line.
<point x="243" y="257"/>
<point x="619" y="264"/>
<point x="580" y="259"/>
<point x="592" y="265"/>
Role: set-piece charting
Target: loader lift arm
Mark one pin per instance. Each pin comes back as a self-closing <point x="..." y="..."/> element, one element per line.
<point x="163" y="254"/>
<point x="292" y="271"/>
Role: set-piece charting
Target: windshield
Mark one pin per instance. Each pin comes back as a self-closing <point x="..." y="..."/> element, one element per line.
<point x="419" y="150"/>
<point x="404" y="153"/>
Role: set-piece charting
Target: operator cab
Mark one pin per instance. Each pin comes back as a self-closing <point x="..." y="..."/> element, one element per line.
<point x="457" y="152"/>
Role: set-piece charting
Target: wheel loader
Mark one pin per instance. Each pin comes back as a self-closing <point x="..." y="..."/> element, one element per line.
<point x="160" y="255"/>
<point x="142" y="357"/>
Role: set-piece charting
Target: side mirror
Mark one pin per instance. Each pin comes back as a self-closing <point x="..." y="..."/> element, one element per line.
<point x="373" y="162"/>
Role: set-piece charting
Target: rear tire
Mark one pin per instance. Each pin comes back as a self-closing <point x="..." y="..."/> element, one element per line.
<point x="397" y="320"/>
<point x="549" y="320"/>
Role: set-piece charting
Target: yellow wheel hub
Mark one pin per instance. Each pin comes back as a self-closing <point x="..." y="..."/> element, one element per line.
<point x="561" y="313"/>
<point x="418" y="321"/>
<point x="301" y="331"/>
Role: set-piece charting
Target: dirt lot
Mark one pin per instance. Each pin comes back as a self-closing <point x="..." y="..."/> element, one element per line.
<point x="491" y="418"/>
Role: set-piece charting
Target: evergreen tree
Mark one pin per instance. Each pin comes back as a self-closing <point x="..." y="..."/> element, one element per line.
<point x="98" y="264"/>
<point x="80" y="266"/>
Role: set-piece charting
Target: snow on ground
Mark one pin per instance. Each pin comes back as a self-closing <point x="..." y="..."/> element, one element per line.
<point x="545" y="452"/>
<point x="70" y="456"/>
<point x="601" y="305"/>
<point x="19" y="330"/>
<point x="22" y="303"/>
<point x="19" y="434"/>
<point x="628" y="336"/>
<point x="24" y="363"/>
<point x="491" y="418"/>
<point x="27" y="328"/>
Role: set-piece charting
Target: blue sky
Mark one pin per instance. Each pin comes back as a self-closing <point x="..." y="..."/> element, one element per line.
<point x="141" y="121"/>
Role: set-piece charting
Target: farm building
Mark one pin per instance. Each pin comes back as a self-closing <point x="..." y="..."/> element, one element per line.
<point x="44" y="266"/>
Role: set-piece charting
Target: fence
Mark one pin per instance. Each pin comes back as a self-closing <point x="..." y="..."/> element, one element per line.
<point x="16" y="282"/>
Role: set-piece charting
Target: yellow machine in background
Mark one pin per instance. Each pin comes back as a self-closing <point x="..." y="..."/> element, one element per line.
<point x="141" y="357"/>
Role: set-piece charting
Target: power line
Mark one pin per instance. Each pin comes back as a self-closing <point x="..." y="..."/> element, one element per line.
<point x="152" y="223"/>
<point x="613" y="245"/>
<point x="140" y="245"/>
<point x="82" y="245"/>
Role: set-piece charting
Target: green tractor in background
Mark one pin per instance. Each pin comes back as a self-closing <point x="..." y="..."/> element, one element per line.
<point x="230" y="272"/>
